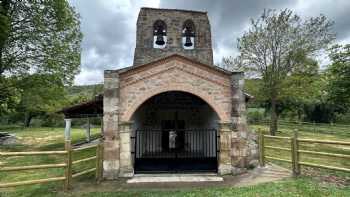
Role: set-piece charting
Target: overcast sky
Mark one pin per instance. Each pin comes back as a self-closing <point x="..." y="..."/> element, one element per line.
<point x="109" y="26"/>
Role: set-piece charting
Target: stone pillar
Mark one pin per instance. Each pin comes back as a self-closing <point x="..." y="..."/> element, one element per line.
<point x="126" y="167"/>
<point x="88" y="130"/>
<point x="67" y="129"/>
<point x="239" y="145"/>
<point x="225" y="163"/>
<point x="110" y="125"/>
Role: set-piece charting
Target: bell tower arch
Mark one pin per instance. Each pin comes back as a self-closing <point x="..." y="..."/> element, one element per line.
<point x="164" y="32"/>
<point x="159" y="34"/>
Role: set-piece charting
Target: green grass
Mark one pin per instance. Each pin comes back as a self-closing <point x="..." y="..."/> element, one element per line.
<point x="321" y="132"/>
<point x="289" y="187"/>
<point x="42" y="139"/>
<point x="32" y="139"/>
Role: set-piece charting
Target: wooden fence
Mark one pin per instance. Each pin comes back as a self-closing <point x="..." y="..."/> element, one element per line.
<point x="328" y="128"/>
<point x="296" y="151"/>
<point x="67" y="165"/>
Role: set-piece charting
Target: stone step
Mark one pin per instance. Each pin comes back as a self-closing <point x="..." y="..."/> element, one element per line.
<point x="174" y="178"/>
<point x="276" y="173"/>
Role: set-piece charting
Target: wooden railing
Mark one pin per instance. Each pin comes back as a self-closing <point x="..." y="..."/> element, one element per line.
<point x="295" y="152"/>
<point x="68" y="175"/>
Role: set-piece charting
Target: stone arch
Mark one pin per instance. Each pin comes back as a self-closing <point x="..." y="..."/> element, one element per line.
<point x="159" y="32"/>
<point x="188" y="34"/>
<point x="189" y="25"/>
<point x="182" y="88"/>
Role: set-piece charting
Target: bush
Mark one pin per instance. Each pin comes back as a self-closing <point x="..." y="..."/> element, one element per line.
<point x="255" y="115"/>
<point x="342" y="118"/>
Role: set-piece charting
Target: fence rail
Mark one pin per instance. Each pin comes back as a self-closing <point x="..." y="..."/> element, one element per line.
<point x="312" y="127"/>
<point x="296" y="151"/>
<point x="67" y="165"/>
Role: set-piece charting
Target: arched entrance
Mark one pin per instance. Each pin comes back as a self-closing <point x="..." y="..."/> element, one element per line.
<point x="175" y="131"/>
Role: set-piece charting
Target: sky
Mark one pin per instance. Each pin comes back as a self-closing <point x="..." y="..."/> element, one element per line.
<point x="109" y="26"/>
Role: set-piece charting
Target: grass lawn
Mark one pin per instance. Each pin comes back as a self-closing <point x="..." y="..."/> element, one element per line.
<point x="31" y="139"/>
<point x="321" y="132"/>
<point x="289" y="187"/>
<point x="41" y="139"/>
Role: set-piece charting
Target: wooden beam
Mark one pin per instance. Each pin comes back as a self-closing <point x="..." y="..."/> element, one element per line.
<point x="324" y="166"/>
<point x="85" y="147"/>
<point x="83" y="160"/>
<point x="68" y="171"/>
<point x="84" y="172"/>
<point x="324" y="141"/>
<point x="33" y="153"/>
<point x="324" y="154"/>
<point x="31" y="182"/>
<point x="261" y="149"/>
<point x="295" y="153"/>
<point x="277" y="137"/>
<point x="17" y="168"/>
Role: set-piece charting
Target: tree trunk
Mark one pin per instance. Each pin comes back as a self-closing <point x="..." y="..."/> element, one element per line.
<point x="4" y="6"/>
<point x="273" y="123"/>
<point x="27" y="119"/>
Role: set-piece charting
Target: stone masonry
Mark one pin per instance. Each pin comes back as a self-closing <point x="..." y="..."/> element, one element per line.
<point x="111" y="153"/>
<point x="157" y="71"/>
<point x="174" y="19"/>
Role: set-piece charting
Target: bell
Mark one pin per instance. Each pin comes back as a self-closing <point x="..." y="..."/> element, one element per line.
<point x="188" y="42"/>
<point x="160" y="40"/>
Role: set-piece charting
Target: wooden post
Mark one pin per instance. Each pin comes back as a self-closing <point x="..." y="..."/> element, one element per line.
<point x="261" y="149"/>
<point x="295" y="153"/>
<point x="99" y="162"/>
<point x="88" y="132"/>
<point x="67" y="129"/>
<point x="68" y="172"/>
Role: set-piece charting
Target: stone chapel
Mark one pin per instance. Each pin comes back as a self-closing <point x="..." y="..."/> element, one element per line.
<point x="173" y="110"/>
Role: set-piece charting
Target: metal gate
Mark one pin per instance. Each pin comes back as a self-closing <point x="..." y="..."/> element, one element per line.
<point x="180" y="150"/>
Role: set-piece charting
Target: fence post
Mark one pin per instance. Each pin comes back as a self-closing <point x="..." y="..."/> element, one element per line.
<point x="295" y="153"/>
<point x="99" y="162"/>
<point x="261" y="148"/>
<point x="68" y="171"/>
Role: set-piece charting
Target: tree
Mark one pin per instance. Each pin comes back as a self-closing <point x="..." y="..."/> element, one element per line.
<point x="37" y="37"/>
<point x="339" y="77"/>
<point x="43" y="36"/>
<point x="272" y="47"/>
<point x="40" y="94"/>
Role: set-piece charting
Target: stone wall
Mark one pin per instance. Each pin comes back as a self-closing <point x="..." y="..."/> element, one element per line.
<point x="243" y="145"/>
<point x="111" y="125"/>
<point x="175" y="74"/>
<point x="174" y="19"/>
<point x="126" y="91"/>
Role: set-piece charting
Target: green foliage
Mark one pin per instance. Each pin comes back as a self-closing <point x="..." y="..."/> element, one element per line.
<point x="40" y="94"/>
<point x="39" y="55"/>
<point x="277" y="46"/>
<point x="83" y="93"/>
<point x="43" y="37"/>
<point x="339" y="76"/>
<point x="255" y="115"/>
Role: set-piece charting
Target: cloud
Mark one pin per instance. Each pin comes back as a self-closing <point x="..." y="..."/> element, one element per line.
<point x="109" y="27"/>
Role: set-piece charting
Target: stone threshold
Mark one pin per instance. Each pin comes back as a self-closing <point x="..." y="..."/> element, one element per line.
<point x="168" y="178"/>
